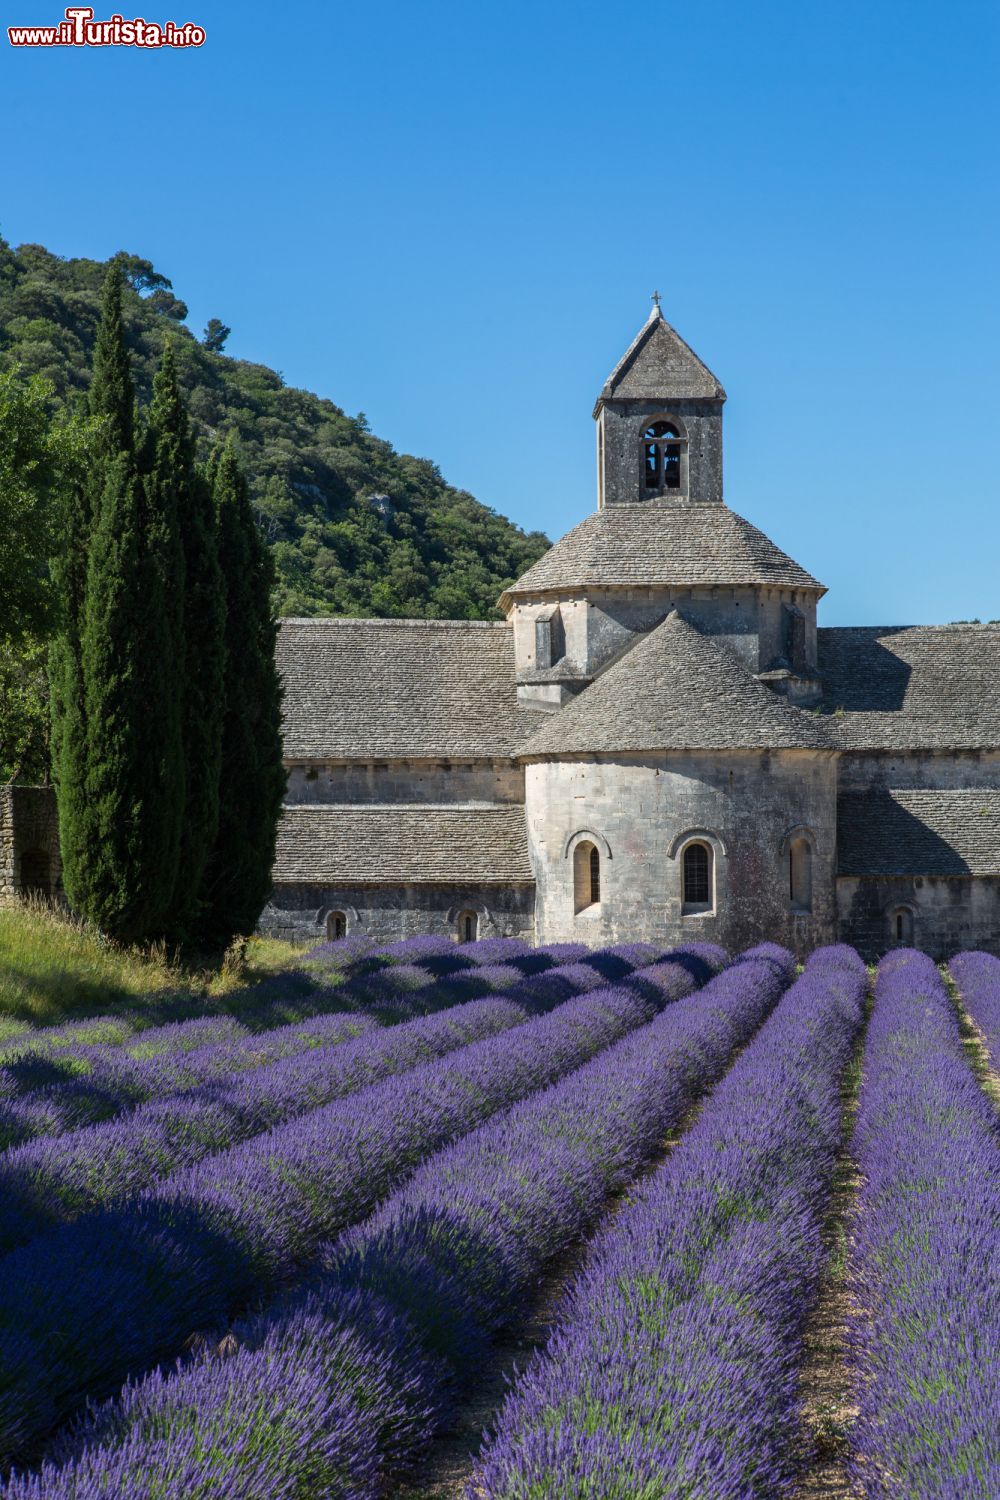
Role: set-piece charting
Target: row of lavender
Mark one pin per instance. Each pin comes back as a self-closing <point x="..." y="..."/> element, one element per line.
<point x="977" y="976"/>
<point x="46" y="1091"/>
<point x="313" y="988"/>
<point x="49" y="1180"/>
<point x="90" y="1301"/>
<point x="673" y="1370"/>
<point x="708" y="1280"/>
<point x="81" y="1090"/>
<point x="925" y="1257"/>
<point x="343" y="1380"/>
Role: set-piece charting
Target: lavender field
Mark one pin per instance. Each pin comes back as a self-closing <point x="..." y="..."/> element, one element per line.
<point x="487" y="1220"/>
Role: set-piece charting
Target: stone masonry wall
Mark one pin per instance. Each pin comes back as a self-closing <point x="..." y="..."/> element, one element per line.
<point x="406" y="781"/>
<point x="949" y="913"/>
<point x="298" y="913"/>
<point x="623" y="424"/>
<point x="640" y="809"/>
<point x="8" y="888"/>
<point x="931" y="769"/>
<point x="29" y="842"/>
<point x="599" y="627"/>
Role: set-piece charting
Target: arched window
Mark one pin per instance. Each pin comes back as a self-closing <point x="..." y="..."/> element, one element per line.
<point x="662" y="447"/>
<point x="468" y="926"/>
<point x="586" y="876"/>
<point x="336" y="926"/>
<point x="35" y="873"/>
<point x="901" y="926"/>
<point x="800" y="875"/>
<point x="697" y="878"/>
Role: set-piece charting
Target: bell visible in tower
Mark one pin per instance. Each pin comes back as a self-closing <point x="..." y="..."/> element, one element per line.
<point x="659" y="423"/>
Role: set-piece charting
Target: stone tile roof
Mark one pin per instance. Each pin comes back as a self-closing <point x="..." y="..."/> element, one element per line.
<point x="666" y="543"/>
<point x="889" y="832"/>
<point x="388" y="689"/>
<point x="401" y="843"/>
<point x="912" y="687"/>
<point x="676" y="690"/>
<point x="658" y="365"/>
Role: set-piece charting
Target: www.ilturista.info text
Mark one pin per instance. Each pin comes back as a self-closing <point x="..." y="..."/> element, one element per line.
<point x="79" y="29"/>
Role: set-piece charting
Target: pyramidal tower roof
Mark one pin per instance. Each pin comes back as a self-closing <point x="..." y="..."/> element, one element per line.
<point x="658" y="365"/>
<point x="666" y="545"/>
<point x="676" y="690"/>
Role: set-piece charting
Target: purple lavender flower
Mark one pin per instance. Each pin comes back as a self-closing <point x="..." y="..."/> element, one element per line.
<point x="924" y="1246"/>
<point x="116" y="1079"/>
<point x="116" y="1292"/>
<point x="977" y="976"/>
<point x="672" y="1371"/>
<point x="415" y="1294"/>
<point x="47" y="1182"/>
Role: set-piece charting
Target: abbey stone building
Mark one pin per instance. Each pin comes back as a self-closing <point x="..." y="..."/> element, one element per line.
<point x="656" y="743"/>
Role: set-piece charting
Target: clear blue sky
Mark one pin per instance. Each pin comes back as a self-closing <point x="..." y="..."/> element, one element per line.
<point x="451" y="216"/>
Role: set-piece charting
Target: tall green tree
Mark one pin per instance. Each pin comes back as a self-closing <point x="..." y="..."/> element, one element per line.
<point x="29" y="465"/>
<point x="252" y="780"/>
<point x="182" y="497"/>
<point x="110" y="405"/>
<point x="116" y="712"/>
<point x="38" y="462"/>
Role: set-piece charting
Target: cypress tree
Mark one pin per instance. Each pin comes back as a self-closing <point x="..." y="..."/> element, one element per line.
<point x="184" y="499"/>
<point x="121" y="772"/>
<point x="68" y="726"/>
<point x="111" y="405"/>
<point x="252" y="779"/>
<point x="112" y="394"/>
<point x="109" y="888"/>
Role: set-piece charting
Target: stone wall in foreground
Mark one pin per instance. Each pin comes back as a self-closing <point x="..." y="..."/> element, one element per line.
<point x="29" y="843"/>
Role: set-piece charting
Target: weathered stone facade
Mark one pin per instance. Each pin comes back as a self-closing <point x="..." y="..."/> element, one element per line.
<point x="641" y="810"/>
<point x="308" y="913"/>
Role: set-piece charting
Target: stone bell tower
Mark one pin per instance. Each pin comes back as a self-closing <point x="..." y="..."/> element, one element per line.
<point x="659" y="423"/>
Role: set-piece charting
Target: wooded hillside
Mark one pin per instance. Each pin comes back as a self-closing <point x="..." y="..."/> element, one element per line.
<point x="355" y="527"/>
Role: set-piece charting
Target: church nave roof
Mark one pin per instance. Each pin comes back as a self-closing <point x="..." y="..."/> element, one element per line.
<point x="401" y="844"/>
<point x="921" y="831"/>
<point x="920" y="687"/>
<point x="399" y="689"/>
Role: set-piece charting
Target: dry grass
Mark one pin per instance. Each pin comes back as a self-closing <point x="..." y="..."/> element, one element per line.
<point x="53" y="968"/>
<point x="977" y="1054"/>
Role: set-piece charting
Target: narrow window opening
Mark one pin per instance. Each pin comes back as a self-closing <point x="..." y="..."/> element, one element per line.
<point x="697" y="878"/>
<point x="901" y="926"/>
<point x="468" y="926"/>
<point x="336" y="925"/>
<point x="800" y="875"/>
<point x="586" y="876"/>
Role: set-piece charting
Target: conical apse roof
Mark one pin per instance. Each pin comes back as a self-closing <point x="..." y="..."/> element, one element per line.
<point x="676" y="690"/>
